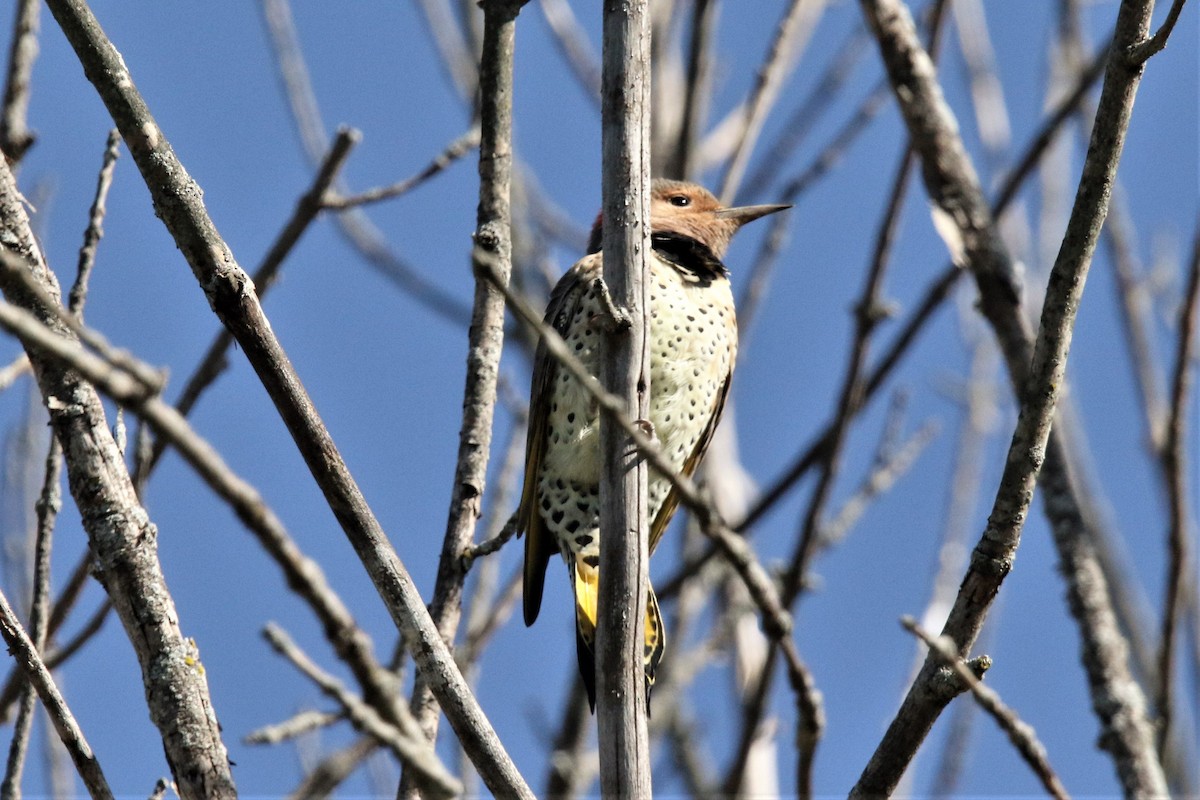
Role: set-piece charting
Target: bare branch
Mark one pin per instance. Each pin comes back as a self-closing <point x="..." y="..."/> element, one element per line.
<point x="15" y="136"/>
<point x="64" y="723"/>
<point x="953" y="185"/>
<point x="493" y="234"/>
<point x="334" y="770"/>
<point x="95" y="227"/>
<point x="121" y="535"/>
<point x="298" y="725"/>
<point x="624" y="556"/>
<point x="1023" y="737"/>
<point x="230" y="292"/>
<point x="1141" y="51"/>
<point x="573" y="43"/>
<point x="1174" y="467"/>
<point x="408" y="745"/>
<point x="799" y="21"/>
<point x="453" y="152"/>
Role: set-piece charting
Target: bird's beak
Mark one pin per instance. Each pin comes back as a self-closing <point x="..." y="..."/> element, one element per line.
<point x="743" y="214"/>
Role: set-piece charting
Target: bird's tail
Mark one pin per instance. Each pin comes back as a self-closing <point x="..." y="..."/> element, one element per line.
<point x="587" y="585"/>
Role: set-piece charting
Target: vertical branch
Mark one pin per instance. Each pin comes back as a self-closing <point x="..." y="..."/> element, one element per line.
<point x="48" y="505"/>
<point x="493" y="240"/>
<point x="1175" y="473"/>
<point x="15" y="136"/>
<point x="952" y="183"/>
<point x="624" y="573"/>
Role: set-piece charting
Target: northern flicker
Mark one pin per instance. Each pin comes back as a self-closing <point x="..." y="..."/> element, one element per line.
<point x="693" y="343"/>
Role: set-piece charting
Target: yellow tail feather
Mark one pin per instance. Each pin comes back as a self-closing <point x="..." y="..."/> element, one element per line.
<point x="587" y="586"/>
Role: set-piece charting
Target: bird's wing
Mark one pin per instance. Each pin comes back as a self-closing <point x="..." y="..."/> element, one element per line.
<point x="539" y="543"/>
<point x="663" y="518"/>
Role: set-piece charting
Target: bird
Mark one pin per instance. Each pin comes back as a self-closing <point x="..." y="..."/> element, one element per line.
<point x="692" y="334"/>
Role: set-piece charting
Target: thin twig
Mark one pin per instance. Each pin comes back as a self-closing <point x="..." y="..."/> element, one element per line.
<point x="429" y="772"/>
<point x="15" y="369"/>
<point x="95" y="227"/>
<point x="453" y="152"/>
<point x="64" y="722"/>
<point x="883" y="476"/>
<point x="798" y="23"/>
<point x="352" y="224"/>
<point x="572" y="42"/>
<point x="297" y="725"/>
<point x="681" y="161"/>
<point x="15" y="136"/>
<point x="48" y="504"/>
<point x="489" y="546"/>
<point x="333" y="770"/>
<point x="810" y="110"/>
<point x="1023" y="737"/>
<point x="451" y="40"/>
<point x="1174" y="467"/>
<point x="1143" y="50"/>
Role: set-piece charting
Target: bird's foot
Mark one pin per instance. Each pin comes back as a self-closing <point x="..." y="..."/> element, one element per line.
<point x="615" y="318"/>
<point x="647" y="429"/>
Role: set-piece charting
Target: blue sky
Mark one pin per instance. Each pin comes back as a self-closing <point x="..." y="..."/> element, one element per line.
<point x="387" y="375"/>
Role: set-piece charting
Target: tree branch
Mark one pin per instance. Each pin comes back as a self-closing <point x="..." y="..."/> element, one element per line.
<point x="953" y="185"/>
<point x="120" y="533"/>
<point x="1023" y="737"/>
<point x="177" y="201"/>
<point x="409" y="746"/>
<point x="624" y="554"/>
<point x="1174" y="468"/>
<point x="15" y="136"/>
<point x="64" y="723"/>
<point x="493" y="234"/>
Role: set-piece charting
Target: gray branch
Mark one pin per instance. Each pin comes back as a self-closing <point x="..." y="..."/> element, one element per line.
<point x="230" y="292"/>
<point x="120" y="533"/>
<point x="1038" y="375"/>
<point x="493" y="234"/>
<point x="624" y="557"/>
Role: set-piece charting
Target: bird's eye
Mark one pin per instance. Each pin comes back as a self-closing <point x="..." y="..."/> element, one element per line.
<point x="680" y="200"/>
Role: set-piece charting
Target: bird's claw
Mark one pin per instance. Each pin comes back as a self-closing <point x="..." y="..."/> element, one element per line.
<point x="647" y="429"/>
<point x="615" y="319"/>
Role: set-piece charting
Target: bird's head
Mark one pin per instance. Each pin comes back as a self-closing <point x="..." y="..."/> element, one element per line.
<point x="690" y="210"/>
